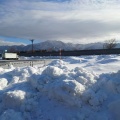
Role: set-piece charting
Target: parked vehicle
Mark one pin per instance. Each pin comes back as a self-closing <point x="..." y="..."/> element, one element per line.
<point x="10" y="56"/>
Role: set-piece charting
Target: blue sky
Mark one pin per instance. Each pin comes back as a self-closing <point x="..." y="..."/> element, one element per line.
<point x="78" y="21"/>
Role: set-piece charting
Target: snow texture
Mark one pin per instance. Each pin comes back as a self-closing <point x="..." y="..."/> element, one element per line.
<point x="62" y="90"/>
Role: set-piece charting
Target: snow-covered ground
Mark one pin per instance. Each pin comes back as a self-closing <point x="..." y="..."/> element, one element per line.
<point x="75" y="88"/>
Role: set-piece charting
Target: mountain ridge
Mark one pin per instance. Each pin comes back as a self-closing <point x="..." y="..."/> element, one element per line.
<point x="53" y="45"/>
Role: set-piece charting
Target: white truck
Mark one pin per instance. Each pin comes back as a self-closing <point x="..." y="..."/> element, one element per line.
<point x="10" y="56"/>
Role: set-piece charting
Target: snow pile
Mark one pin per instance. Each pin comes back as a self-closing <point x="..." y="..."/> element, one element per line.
<point x="112" y="82"/>
<point x="53" y="72"/>
<point x="114" y="108"/>
<point x="16" y="97"/>
<point x="57" y="92"/>
<point x="3" y="83"/>
<point x="13" y="99"/>
<point x="11" y="115"/>
<point x="64" y="86"/>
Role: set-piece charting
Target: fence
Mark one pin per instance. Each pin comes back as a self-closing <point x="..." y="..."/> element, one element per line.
<point x="73" y="53"/>
<point x="22" y="63"/>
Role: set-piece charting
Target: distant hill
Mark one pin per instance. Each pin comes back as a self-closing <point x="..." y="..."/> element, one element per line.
<point x="53" y="45"/>
<point x="4" y="45"/>
<point x="57" y="45"/>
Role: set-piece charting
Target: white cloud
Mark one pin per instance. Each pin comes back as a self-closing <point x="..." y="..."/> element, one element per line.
<point x="76" y="20"/>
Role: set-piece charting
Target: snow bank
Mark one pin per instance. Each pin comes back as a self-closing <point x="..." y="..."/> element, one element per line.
<point x="73" y="60"/>
<point x="64" y="86"/>
<point x="114" y="108"/>
<point x="11" y="115"/>
<point x="77" y="87"/>
<point x="3" y="83"/>
<point x="53" y="72"/>
<point x="112" y="82"/>
<point x="56" y="92"/>
<point x="13" y="99"/>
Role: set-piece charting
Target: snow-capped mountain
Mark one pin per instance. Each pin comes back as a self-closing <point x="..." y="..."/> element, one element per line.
<point x="53" y="45"/>
<point x="57" y="45"/>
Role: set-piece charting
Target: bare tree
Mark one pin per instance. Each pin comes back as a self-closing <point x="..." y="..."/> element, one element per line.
<point x="110" y="44"/>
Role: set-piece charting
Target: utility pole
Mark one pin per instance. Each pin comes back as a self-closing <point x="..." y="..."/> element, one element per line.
<point x="32" y="44"/>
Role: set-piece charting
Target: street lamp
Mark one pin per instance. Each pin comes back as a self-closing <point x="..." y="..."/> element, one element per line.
<point x="32" y="44"/>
